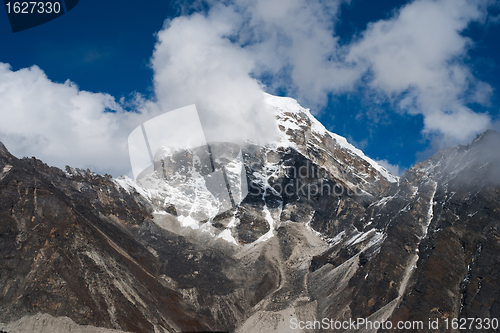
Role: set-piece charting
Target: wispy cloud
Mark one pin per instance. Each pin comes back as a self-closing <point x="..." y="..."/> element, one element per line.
<point x="417" y="60"/>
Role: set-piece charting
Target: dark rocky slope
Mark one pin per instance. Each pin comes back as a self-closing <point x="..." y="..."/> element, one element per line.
<point x="67" y="249"/>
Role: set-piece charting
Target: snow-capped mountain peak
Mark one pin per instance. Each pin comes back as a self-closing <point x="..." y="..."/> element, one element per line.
<point x="202" y="184"/>
<point x="293" y="118"/>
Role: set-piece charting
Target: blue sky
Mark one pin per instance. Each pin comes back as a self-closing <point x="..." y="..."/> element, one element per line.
<point x="397" y="78"/>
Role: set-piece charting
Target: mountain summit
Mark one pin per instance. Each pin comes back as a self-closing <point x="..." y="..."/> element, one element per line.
<point x="324" y="232"/>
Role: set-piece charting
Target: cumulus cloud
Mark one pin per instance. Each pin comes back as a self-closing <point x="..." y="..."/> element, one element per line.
<point x="61" y="124"/>
<point x="195" y="63"/>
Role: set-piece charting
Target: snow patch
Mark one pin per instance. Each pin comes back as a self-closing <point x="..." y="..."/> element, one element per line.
<point x="129" y="185"/>
<point x="188" y="222"/>
<point x="227" y="236"/>
<point x="5" y="170"/>
<point x="268" y="235"/>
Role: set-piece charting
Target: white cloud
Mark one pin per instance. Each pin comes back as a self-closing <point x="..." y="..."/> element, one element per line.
<point x="195" y="64"/>
<point x="61" y="124"/>
<point x="416" y="58"/>
<point x="295" y="42"/>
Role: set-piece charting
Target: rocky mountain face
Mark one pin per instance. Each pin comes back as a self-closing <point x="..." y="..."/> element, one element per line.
<point x="324" y="232"/>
